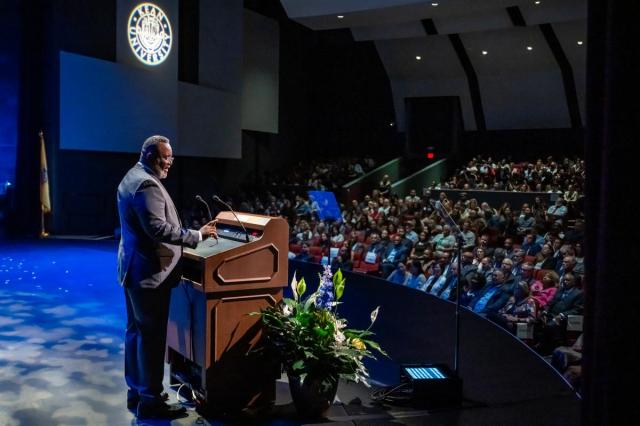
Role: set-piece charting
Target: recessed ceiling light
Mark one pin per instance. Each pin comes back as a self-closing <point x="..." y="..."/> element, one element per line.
<point x="434" y="4"/>
<point x="529" y="48"/>
<point x="537" y="2"/>
<point x="391" y="124"/>
<point x="340" y="16"/>
<point x="580" y="42"/>
<point x="484" y="52"/>
<point x="418" y="58"/>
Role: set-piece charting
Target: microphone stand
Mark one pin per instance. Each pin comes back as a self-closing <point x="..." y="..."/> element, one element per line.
<point x="455" y="229"/>
<point x="199" y="198"/>
<point x="246" y="234"/>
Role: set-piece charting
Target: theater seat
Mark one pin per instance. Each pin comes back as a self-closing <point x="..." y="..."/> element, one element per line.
<point x="530" y="259"/>
<point x="368" y="268"/>
<point x="316" y="252"/>
<point x="295" y="248"/>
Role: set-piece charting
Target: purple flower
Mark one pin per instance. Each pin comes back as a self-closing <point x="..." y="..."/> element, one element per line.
<point x="325" y="290"/>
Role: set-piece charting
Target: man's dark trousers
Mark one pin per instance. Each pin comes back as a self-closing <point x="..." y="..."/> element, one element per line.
<point x="145" y="339"/>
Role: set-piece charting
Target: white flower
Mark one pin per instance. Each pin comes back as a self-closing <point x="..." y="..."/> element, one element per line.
<point x="294" y="286"/>
<point x="340" y="337"/>
<point x="374" y="314"/>
<point x="287" y="311"/>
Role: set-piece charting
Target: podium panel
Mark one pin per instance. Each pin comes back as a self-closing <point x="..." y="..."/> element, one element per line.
<point x="211" y="340"/>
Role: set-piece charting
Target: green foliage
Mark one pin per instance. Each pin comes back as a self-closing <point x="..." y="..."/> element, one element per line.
<point x="314" y="341"/>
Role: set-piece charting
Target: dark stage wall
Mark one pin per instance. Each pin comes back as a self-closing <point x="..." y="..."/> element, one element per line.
<point x="334" y="99"/>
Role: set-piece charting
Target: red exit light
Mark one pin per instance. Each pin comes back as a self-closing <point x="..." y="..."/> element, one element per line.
<point x="431" y="155"/>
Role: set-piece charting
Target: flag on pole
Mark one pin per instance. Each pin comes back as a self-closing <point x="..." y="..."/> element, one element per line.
<point x="45" y="200"/>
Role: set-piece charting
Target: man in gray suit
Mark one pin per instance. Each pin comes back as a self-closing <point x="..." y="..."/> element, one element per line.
<point x="149" y="267"/>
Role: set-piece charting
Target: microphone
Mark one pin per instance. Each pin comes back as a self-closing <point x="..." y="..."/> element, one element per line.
<point x="199" y="198"/>
<point x="246" y="234"/>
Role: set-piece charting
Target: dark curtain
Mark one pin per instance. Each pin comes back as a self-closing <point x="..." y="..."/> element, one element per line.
<point x="612" y="284"/>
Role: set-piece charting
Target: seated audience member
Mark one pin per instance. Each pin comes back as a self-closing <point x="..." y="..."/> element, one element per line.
<point x="302" y="207"/>
<point x="578" y="268"/>
<point x="356" y="246"/>
<point x="525" y="221"/>
<point x="449" y="289"/>
<point x="304" y="254"/>
<point x="520" y="308"/>
<point x="419" y="248"/>
<point x="545" y="259"/>
<point x="527" y="275"/>
<point x="324" y="243"/>
<point x="508" y="247"/>
<point x="492" y="297"/>
<point x="416" y="278"/>
<point x="385" y="240"/>
<point x="478" y="254"/>
<point x="483" y="243"/>
<point x="570" y="195"/>
<point x="439" y="284"/>
<point x="304" y="232"/>
<point x="399" y="275"/>
<point x="567" y="360"/>
<point x="435" y="274"/>
<point x="395" y="253"/>
<point x="410" y="233"/>
<point x="487" y="211"/>
<point x="336" y="236"/>
<point x="468" y="235"/>
<point x="443" y="239"/>
<point x="485" y="268"/>
<point x="530" y="246"/>
<point x="543" y="292"/>
<point x="556" y="212"/>
<point x="406" y="242"/>
<point x="467" y="265"/>
<point x="518" y="259"/>
<point x="478" y="223"/>
<point x="567" y="265"/>
<point x="510" y="225"/>
<point x="510" y="280"/>
<point x="342" y="261"/>
<point x="498" y="256"/>
<point x="385" y="185"/>
<point x="473" y="284"/>
<point x="568" y="300"/>
<point x="575" y="235"/>
<point x="375" y="245"/>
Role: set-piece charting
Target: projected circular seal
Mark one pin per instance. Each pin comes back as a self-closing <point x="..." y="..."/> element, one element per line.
<point x="149" y="33"/>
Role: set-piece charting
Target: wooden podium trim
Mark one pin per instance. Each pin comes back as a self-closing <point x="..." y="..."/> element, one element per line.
<point x="275" y="269"/>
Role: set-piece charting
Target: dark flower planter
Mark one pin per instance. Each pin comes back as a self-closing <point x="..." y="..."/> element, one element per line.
<point x="313" y="398"/>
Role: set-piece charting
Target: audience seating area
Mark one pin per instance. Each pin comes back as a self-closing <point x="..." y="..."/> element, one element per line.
<point x="521" y="265"/>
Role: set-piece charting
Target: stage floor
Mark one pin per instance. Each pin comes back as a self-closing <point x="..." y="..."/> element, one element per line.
<point x="62" y="320"/>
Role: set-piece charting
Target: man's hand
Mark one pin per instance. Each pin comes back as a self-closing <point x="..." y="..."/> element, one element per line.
<point x="209" y="230"/>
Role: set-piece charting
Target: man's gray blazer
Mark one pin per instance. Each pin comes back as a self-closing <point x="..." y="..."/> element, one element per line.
<point x="151" y="234"/>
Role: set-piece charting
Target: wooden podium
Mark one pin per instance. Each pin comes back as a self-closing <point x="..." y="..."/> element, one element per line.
<point x="210" y="337"/>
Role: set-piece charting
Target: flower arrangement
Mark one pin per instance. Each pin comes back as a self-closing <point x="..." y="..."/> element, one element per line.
<point x="311" y="341"/>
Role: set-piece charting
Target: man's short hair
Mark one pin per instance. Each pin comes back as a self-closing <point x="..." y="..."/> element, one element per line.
<point x="151" y="144"/>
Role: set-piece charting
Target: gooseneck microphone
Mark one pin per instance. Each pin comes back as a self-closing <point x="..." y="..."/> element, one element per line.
<point x="246" y="234"/>
<point x="199" y="198"/>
